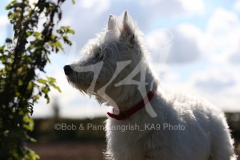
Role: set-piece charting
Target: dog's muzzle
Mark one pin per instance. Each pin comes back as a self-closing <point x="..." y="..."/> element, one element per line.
<point x="68" y="70"/>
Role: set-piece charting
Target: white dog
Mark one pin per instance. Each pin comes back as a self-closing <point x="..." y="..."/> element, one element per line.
<point x="145" y="124"/>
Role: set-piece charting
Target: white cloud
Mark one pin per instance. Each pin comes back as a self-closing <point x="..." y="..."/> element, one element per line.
<point x="185" y="45"/>
<point x="169" y="77"/>
<point x="87" y="18"/>
<point x="215" y="80"/>
<point x="193" y="6"/>
<point x="222" y="36"/>
<point x="159" y="43"/>
<point x="97" y="6"/>
<point x="3" y="21"/>
<point x="159" y="38"/>
<point x="174" y="7"/>
<point x="237" y="5"/>
<point x="219" y="46"/>
<point x="235" y="56"/>
<point x="180" y="45"/>
<point x="222" y="21"/>
<point x="220" y="84"/>
<point x="219" y="43"/>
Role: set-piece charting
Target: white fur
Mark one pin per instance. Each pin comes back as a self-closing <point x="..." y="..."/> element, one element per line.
<point x="205" y="134"/>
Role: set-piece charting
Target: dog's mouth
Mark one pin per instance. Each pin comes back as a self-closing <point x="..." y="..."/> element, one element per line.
<point x="79" y="80"/>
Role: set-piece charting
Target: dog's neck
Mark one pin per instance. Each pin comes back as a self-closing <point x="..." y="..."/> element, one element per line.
<point x="140" y="105"/>
<point x="133" y="100"/>
<point x="139" y="94"/>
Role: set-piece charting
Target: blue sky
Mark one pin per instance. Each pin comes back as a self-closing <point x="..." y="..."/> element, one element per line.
<point x="194" y="45"/>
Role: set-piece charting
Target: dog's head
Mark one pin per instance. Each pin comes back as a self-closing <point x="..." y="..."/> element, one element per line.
<point x="108" y="59"/>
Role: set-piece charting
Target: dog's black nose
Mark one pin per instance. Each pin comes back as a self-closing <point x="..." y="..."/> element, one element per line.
<point x="67" y="69"/>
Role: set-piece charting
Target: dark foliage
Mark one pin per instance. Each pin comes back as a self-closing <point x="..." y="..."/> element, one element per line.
<point x="21" y="61"/>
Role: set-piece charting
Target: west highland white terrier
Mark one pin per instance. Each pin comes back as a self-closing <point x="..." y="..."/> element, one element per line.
<point x="145" y="123"/>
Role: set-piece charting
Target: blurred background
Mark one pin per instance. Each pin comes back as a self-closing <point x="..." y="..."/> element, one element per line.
<point x="194" y="46"/>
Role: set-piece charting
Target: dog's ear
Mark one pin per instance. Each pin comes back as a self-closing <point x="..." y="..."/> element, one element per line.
<point x="111" y="23"/>
<point x="128" y="25"/>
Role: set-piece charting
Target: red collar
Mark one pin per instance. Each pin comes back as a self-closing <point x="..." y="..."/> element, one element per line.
<point x="125" y="114"/>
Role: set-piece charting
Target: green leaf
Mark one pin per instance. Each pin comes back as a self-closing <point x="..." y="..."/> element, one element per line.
<point x="71" y="31"/>
<point x="20" y="82"/>
<point x="29" y="33"/>
<point x="52" y="82"/>
<point x="10" y="5"/>
<point x="35" y="98"/>
<point x="73" y="2"/>
<point x="47" y="98"/>
<point x="58" y="45"/>
<point x="2" y="49"/>
<point x="31" y="154"/>
<point x="45" y="90"/>
<point x="37" y="35"/>
<point x="57" y="88"/>
<point x="43" y="81"/>
<point x="29" y="124"/>
<point x="51" y="79"/>
<point x="33" y="140"/>
<point x="66" y="40"/>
